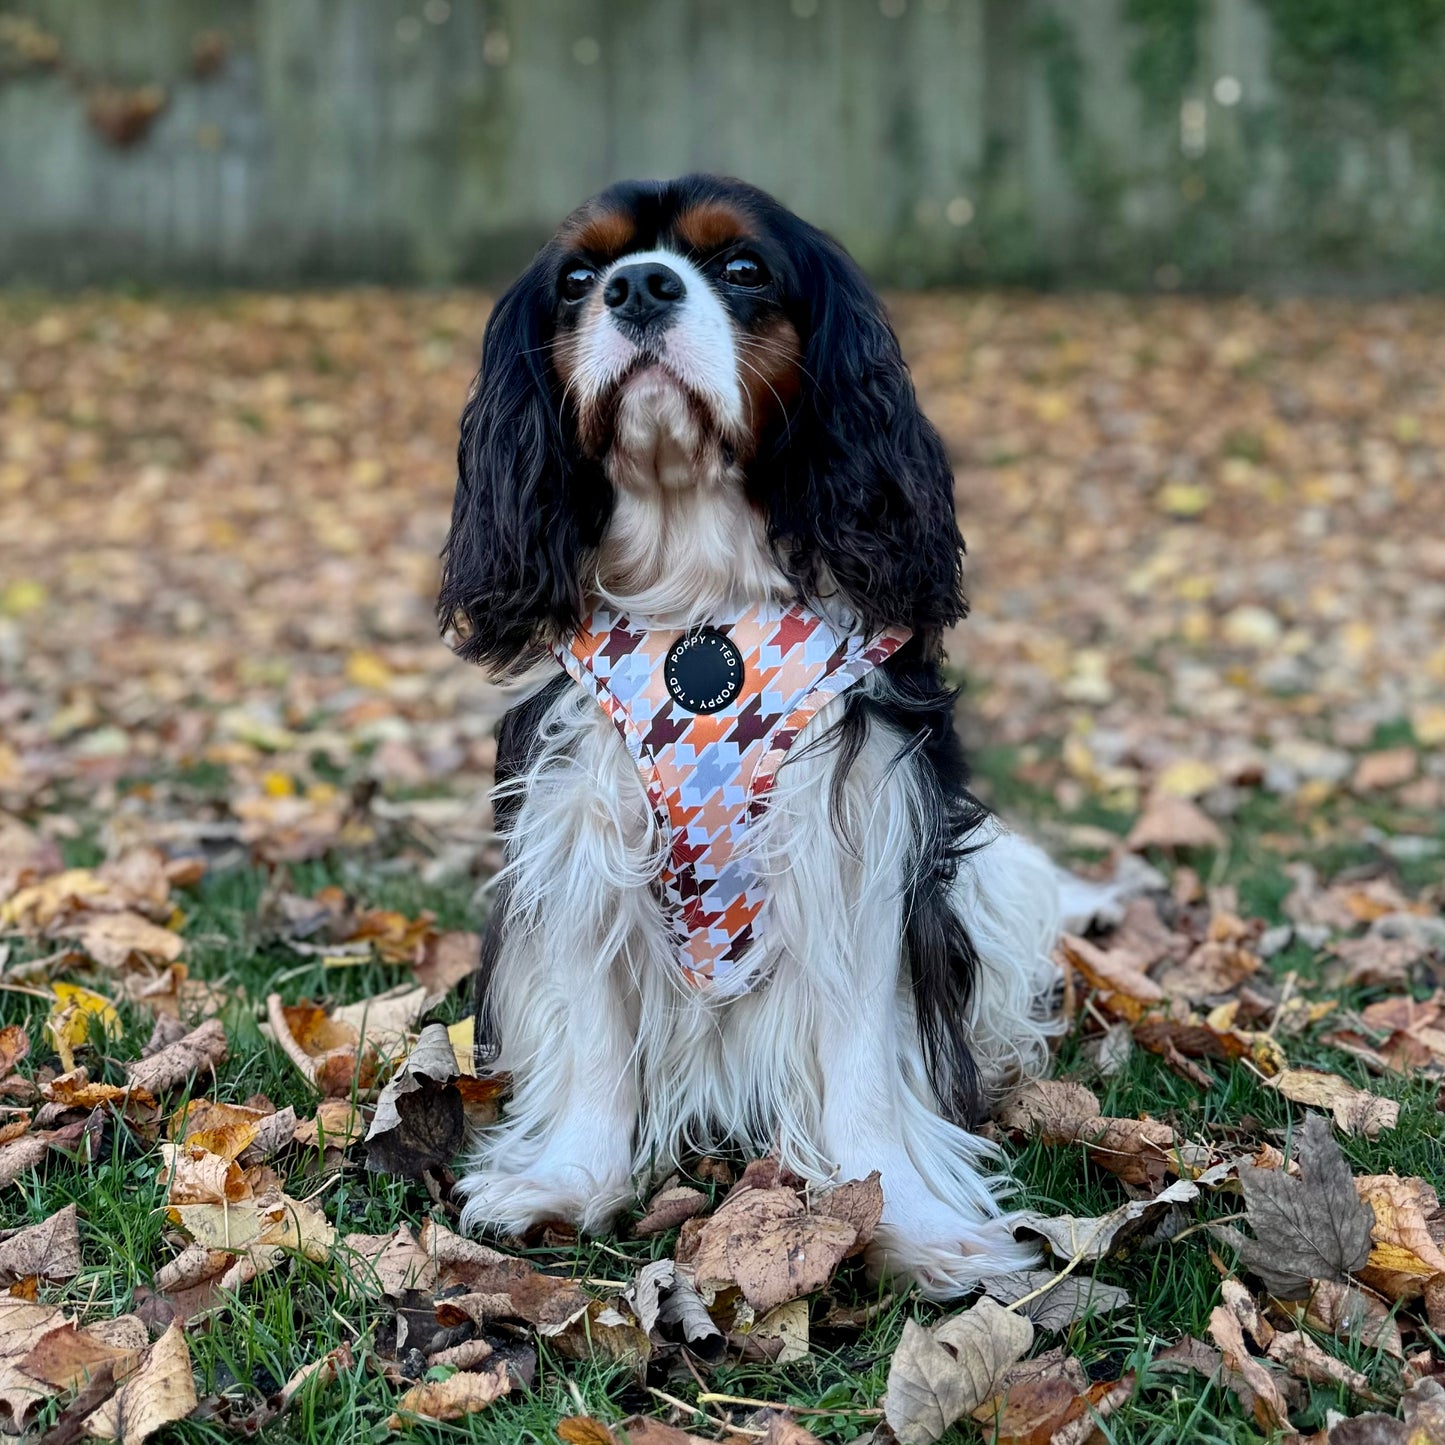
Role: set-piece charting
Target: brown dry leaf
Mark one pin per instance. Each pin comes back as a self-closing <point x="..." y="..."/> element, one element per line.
<point x="669" y="1308"/>
<point x="1271" y="1410"/>
<point x="939" y="1375"/>
<point x="198" y="1052"/>
<point x="768" y="1244"/>
<point x="75" y="1091"/>
<point x="461" y="1394"/>
<point x="443" y="960"/>
<point x="584" y="1430"/>
<point x="115" y="940"/>
<point x="1053" y="1304"/>
<point x="1051" y="1407"/>
<point x="549" y="1304"/>
<point x="1304" y="1359"/>
<point x="1390" y="768"/>
<point x="782" y="1429"/>
<point x="1353" y="1314"/>
<point x="49" y="1250"/>
<point x="1171" y="822"/>
<point x="1139" y="1151"/>
<point x="335" y="1125"/>
<point x="668" y="1208"/>
<point x="195" y="1176"/>
<point x="391" y="1263"/>
<point x="1405" y="1251"/>
<point x="1356" y="1111"/>
<point x="1126" y="992"/>
<point x="1092" y="1238"/>
<point x="19" y="1155"/>
<point x="1216" y="967"/>
<point x="419" y="1122"/>
<point x="385" y="1022"/>
<point x="644" y="1430"/>
<point x="14" y="1048"/>
<point x="68" y="1356"/>
<point x="859" y="1202"/>
<point x="1051" y="1109"/>
<point x="161" y="1391"/>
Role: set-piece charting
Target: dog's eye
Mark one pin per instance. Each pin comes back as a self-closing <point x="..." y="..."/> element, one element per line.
<point x="746" y="271"/>
<point x="576" y="282"/>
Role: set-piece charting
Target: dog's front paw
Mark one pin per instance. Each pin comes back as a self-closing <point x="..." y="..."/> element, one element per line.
<point x="512" y="1203"/>
<point x="946" y="1252"/>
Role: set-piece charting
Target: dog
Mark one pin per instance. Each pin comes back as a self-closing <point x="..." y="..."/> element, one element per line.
<point x="693" y="439"/>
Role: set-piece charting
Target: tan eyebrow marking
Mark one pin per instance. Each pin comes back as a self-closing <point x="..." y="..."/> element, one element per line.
<point x="606" y="232"/>
<point x="710" y="224"/>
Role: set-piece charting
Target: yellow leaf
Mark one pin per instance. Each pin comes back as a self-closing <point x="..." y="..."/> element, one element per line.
<point x="1187" y="778"/>
<point x="278" y="785"/>
<point x="463" y="1036"/>
<point x="73" y="1010"/>
<point x="21" y="597"/>
<point x="366" y="669"/>
<point x="1184" y="499"/>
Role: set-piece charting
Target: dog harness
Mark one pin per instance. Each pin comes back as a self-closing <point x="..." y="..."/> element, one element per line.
<point x="708" y="715"/>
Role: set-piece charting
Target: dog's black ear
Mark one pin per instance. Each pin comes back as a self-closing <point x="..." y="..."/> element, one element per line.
<point x="528" y="507"/>
<point x="861" y="495"/>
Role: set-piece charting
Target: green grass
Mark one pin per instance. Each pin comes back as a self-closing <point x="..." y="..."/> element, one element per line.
<point x="289" y="1318"/>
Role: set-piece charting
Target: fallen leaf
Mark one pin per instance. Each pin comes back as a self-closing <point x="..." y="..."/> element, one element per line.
<point x="1127" y="992"/>
<point x="1171" y="822"/>
<point x="1308" y="1361"/>
<point x="1306" y="1229"/>
<point x="389" y="1264"/>
<point x="859" y="1202"/>
<point x="768" y="1244"/>
<point x="546" y="1302"/>
<point x="419" y="1122"/>
<point x="939" y="1375"/>
<point x="198" y="1052"/>
<point x="584" y="1430"/>
<point x="1061" y="1303"/>
<point x="443" y="960"/>
<point x="335" y="1125"/>
<point x="1404" y="1250"/>
<point x="668" y="1208"/>
<point x="1092" y="1238"/>
<point x="1051" y="1109"/>
<point x="1356" y="1111"/>
<point x="1271" y="1408"/>
<point x="160" y="1392"/>
<point x="1390" y="768"/>
<point x="68" y="1356"/>
<point x="668" y="1307"/>
<point x="460" y="1394"/>
<point x="49" y="1250"/>
<point x="1354" y="1315"/>
<point x="115" y="939"/>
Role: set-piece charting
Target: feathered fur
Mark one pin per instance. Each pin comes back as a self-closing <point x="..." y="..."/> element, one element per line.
<point x="761" y="442"/>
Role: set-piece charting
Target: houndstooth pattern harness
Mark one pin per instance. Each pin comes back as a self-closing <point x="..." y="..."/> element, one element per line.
<point x="709" y="715"/>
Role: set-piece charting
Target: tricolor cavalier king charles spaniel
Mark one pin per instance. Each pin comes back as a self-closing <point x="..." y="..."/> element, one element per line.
<point x="747" y="894"/>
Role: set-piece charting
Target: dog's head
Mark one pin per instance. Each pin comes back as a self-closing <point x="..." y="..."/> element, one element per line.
<point x="686" y="334"/>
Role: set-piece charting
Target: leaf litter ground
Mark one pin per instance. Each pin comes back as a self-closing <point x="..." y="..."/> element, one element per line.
<point x="243" y="825"/>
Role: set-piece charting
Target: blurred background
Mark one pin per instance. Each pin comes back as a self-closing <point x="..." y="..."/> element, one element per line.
<point x="1163" y="269"/>
<point x="1220" y="143"/>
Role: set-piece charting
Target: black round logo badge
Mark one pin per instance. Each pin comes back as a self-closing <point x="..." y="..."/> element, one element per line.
<point x="703" y="671"/>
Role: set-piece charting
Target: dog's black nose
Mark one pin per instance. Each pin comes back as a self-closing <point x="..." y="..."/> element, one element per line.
<point x="645" y="294"/>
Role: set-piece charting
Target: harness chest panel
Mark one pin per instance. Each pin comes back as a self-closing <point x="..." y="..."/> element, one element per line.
<point x="709" y="715"/>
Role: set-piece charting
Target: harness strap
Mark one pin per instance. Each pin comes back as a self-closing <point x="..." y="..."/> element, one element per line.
<point x="709" y="715"/>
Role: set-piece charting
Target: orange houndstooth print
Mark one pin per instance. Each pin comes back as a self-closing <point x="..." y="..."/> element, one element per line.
<point x="709" y="760"/>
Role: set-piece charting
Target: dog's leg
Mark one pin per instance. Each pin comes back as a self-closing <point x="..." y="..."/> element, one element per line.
<point x="578" y="913"/>
<point x="836" y="922"/>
